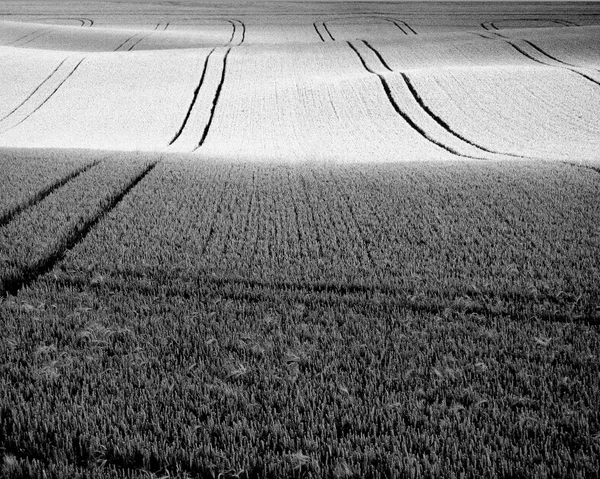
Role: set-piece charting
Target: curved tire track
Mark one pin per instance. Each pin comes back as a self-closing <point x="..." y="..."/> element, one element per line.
<point x="404" y="115"/>
<point x="215" y="100"/>
<point x="434" y="116"/>
<point x="237" y="26"/>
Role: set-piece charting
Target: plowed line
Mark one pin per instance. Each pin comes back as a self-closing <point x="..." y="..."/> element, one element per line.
<point x="234" y="24"/>
<point x="41" y="195"/>
<point x="47" y="98"/>
<point x="31" y="273"/>
<point x="215" y="101"/>
<point x="195" y="97"/>
<point x="402" y="114"/>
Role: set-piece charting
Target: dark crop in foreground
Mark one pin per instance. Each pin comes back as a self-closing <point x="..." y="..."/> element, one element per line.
<point x="220" y="320"/>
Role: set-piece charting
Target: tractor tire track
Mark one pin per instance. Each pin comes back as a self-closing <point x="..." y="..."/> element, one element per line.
<point x="40" y="195"/>
<point x="28" y="38"/>
<point x="194" y="98"/>
<point x="404" y="115"/>
<point x="397" y="25"/>
<point x="492" y="25"/>
<point x="237" y="25"/>
<point x="328" y="32"/>
<point x="76" y="235"/>
<point x="561" y="64"/>
<point x="133" y="40"/>
<point x="434" y="116"/>
<point x="215" y="100"/>
<point x="318" y="32"/>
<point x="45" y="96"/>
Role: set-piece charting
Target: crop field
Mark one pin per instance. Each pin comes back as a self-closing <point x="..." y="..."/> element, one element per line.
<point x="302" y="239"/>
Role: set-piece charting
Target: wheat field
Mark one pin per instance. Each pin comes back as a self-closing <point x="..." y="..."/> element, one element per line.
<point x="282" y="239"/>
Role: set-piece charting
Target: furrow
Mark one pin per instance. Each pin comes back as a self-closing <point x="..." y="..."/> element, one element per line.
<point x="409" y="27"/>
<point x="194" y="98"/>
<point x="138" y="41"/>
<point x="215" y="101"/>
<point x="38" y="197"/>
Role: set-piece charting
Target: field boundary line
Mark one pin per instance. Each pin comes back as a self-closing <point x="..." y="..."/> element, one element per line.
<point x="215" y="101"/>
<point x="194" y="98"/>
<point x="42" y="194"/>
<point x="30" y="273"/>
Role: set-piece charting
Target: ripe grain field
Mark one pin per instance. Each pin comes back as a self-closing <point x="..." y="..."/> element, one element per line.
<point x="271" y="240"/>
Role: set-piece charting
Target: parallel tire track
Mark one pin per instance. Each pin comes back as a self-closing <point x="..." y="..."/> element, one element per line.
<point x="40" y="195"/>
<point x="404" y="115"/>
<point x="31" y="273"/>
<point x="440" y="121"/>
<point x="562" y="64"/>
<point x="45" y="100"/>
<point x="215" y="101"/>
<point x="194" y="98"/>
<point x="492" y="25"/>
<point x="235" y="24"/>
<point x="328" y="32"/>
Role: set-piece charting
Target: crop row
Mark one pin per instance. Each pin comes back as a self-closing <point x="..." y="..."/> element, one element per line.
<point x="502" y="235"/>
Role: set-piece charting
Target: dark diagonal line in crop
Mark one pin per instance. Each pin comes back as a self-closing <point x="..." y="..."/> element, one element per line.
<point x="397" y="25"/>
<point x="194" y="98"/>
<point x="409" y="27"/>
<point x="440" y="121"/>
<point x="33" y="39"/>
<point x="41" y="195"/>
<point x="213" y="222"/>
<point x="122" y="44"/>
<point x="22" y="38"/>
<point x="136" y="43"/>
<point x="379" y="56"/>
<point x="484" y="26"/>
<point x="576" y="72"/>
<point x="404" y="115"/>
<point x="534" y="46"/>
<point x="31" y="273"/>
<point x="328" y="32"/>
<point x="233" y="32"/>
<point x="318" y="32"/>
<point x="215" y="101"/>
<point x="49" y="96"/>
<point x="34" y="91"/>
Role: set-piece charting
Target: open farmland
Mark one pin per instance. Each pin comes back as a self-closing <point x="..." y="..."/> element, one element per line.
<point x="277" y="240"/>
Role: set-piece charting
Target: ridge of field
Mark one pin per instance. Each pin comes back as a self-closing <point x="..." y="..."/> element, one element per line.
<point x="271" y="320"/>
<point x="299" y="82"/>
